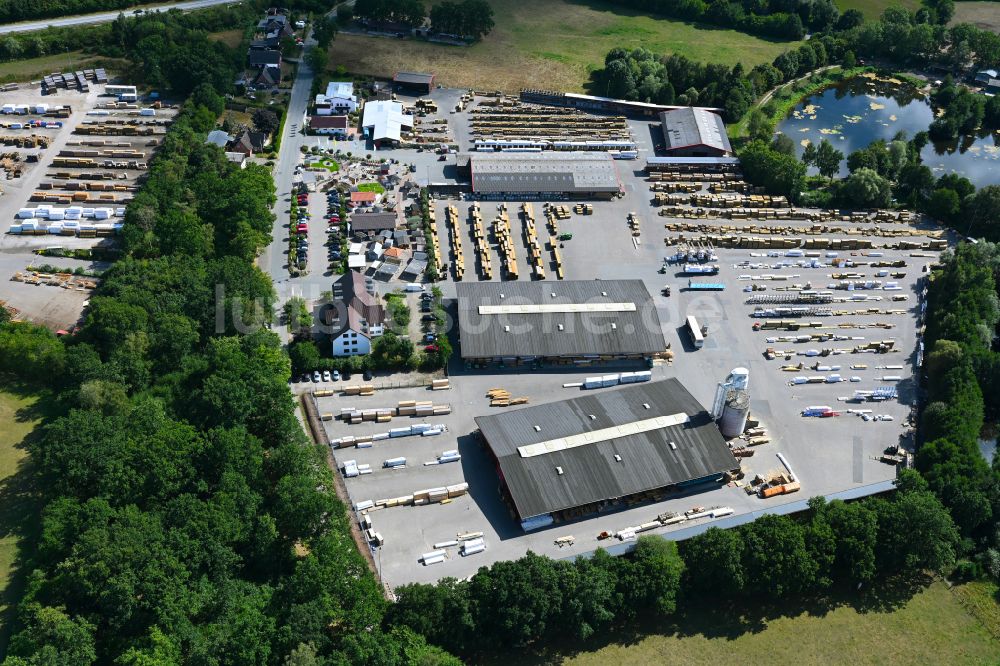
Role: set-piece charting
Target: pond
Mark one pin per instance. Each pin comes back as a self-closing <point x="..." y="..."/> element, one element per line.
<point x="856" y="112"/>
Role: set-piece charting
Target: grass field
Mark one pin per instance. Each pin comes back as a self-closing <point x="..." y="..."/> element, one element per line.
<point x="873" y="8"/>
<point x="18" y="505"/>
<point x="230" y="38"/>
<point x="985" y="15"/>
<point x="548" y="44"/>
<point x="933" y="627"/>
<point x="371" y="187"/>
<point x="36" y="68"/>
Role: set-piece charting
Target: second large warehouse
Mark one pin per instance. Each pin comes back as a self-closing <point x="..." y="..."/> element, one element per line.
<point x="557" y="321"/>
<point x="526" y="175"/>
<point x="602" y="451"/>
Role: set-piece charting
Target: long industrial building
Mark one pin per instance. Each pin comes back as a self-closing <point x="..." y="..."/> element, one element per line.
<point x="593" y="103"/>
<point x="577" y="174"/>
<point x="605" y="450"/>
<point x="557" y="321"/>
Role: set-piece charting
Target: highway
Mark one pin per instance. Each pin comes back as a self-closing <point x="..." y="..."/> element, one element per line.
<point x="106" y="17"/>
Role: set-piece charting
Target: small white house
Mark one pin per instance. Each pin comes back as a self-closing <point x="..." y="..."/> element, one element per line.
<point x="357" y="317"/>
<point x="338" y="100"/>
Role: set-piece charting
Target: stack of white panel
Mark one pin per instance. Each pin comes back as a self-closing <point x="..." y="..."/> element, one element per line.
<point x="433" y="557"/>
<point x="473" y="546"/>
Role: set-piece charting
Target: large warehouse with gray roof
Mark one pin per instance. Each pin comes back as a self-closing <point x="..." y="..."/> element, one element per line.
<point x="604" y="450"/>
<point x="588" y="174"/>
<point x="557" y="320"/>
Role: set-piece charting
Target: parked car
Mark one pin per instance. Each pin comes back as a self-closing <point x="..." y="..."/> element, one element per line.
<point x="326" y="376"/>
<point x="431" y="348"/>
<point x="347" y="375"/>
<point x="317" y="377"/>
<point x="428" y="317"/>
<point x="430" y="337"/>
<point x="336" y="375"/>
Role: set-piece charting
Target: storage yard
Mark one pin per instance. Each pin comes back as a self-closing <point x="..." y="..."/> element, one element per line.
<point x="73" y="149"/>
<point x="796" y="328"/>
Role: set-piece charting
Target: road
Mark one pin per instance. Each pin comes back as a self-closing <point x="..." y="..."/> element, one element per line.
<point x="106" y="17"/>
<point x="274" y="259"/>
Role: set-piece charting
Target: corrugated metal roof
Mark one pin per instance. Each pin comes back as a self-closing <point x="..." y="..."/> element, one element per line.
<point x="544" y="172"/>
<point x="414" y="78"/>
<point x="694" y="126"/>
<point x="636" y="331"/>
<point x="590" y="473"/>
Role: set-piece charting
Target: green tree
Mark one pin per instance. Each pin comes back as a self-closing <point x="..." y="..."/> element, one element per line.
<point x="809" y="154"/>
<point x="661" y="567"/>
<point x="776" y="560"/>
<point x="914" y="532"/>
<point x="716" y="558"/>
<point x="52" y="636"/>
<point x="984" y="213"/>
<point x="866" y="189"/>
<point x="776" y="172"/>
<point x="828" y="159"/>
<point x="266" y="120"/>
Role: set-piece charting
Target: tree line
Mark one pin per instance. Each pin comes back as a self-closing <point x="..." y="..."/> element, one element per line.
<point x="187" y="519"/>
<point x="536" y="601"/>
<point x="961" y="376"/>
<point x="781" y="19"/>
<point x="466" y="18"/>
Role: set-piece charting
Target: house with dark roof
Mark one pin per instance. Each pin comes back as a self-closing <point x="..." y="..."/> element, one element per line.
<point x="249" y="143"/>
<point x="356" y="315"/>
<point x="265" y="44"/>
<point x="258" y="58"/>
<point x="414" y="82"/>
<point x="275" y="26"/>
<point x="373" y="222"/>
<point x="263" y="78"/>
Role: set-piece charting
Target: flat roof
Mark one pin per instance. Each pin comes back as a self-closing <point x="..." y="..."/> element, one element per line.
<point x="694" y="126"/>
<point x="617" y="317"/>
<point x="575" y="172"/>
<point x="413" y="77"/>
<point x="590" y="471"/>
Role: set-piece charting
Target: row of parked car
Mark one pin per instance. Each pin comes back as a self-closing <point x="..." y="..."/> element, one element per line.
<point x="302" y="227"/>
<point x="331" y="376"/>
<point x="333" y="221"/>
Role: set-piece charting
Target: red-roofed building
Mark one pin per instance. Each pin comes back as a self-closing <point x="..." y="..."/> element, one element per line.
<point x="362" y="199"/>
<point x="329" y="125"/>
